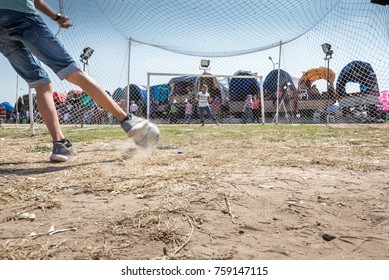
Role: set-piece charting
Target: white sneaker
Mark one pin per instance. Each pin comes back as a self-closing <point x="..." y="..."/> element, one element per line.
<point x="138" y="129"/>
<point x="144" y="133"/>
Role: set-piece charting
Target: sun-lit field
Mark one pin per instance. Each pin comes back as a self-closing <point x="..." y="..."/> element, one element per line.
<point x="235" y="192"/>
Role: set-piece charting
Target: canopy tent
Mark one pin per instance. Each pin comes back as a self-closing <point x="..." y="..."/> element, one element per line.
<point x="358" y="72"/>
<point x="138" y="93"/>
<point x="118" y="94"/>
<point x="8" y="107"/>
<point x="271" y="81"/>
<point x="184" y="88"/>
<point x="160" y="93"/>
<point x="216" y="87"/>
<point x="315" y="74"/>
<point x="241" y="87"/>
<point x="22" y="103"/>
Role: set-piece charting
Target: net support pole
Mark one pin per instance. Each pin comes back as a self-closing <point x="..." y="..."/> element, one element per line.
<point x="328" y="85"/>
<point x="278" y="82"/>
<point x="17" y="103"/>
<point x="31" y="109"/>
<point x="127" y="99"/>
<point x="148" y="97"/>
<point x="262" y="100"/>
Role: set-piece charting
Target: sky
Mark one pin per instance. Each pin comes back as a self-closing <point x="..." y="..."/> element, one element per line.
<point x="8" y="76"/>
<point x="355" y="34"/>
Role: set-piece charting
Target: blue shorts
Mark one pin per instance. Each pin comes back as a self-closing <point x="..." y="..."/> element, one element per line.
<point x="25" y="38"/>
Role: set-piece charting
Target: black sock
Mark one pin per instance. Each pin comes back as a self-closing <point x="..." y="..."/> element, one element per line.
<point x="66" y="142"/>
<point x="127" y="118"/>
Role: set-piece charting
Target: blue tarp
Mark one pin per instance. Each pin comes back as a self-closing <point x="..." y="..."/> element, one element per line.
<point x="160" y="93"/>
<point x="240" y="87"/>
<point x="8" y="107"/>
<point x="271" y="80"/>
<point x="357" y="72"/>
<point x="118" y="95"/>
<point x="137" y="93"/>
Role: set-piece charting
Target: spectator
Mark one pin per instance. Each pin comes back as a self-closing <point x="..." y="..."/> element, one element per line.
<point x="256" y="108"/>
<point x="248" y="109"/>
<point x="225" y="108"/>
<point x="152" y="109"/>
<point x="188" y="111"/>
<point x="315" y="93"/>
<point x="173" y="112"/>
<point x="215" y="104"/>
<point x="133" y="108"/>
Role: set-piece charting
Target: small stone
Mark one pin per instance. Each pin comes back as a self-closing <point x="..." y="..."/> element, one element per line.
<point x="328" y="236"/>
<point x="27" y="216"/>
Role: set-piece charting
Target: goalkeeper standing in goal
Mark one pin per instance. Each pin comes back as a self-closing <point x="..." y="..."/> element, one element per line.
<point x="25" y="40"/>
<point x="203" y="98"/>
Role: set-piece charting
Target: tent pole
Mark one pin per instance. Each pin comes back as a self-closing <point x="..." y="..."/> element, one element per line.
<point x="262" y="100"/>
<point x="31" y="108"/>
<point x="16" y="102"/>
<point x="127" y="99"/>
<point x="148" y="96"/>
<point x="278" y="82"/>
<point x="328" y="86"/>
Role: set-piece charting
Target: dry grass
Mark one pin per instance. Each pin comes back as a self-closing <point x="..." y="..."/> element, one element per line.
<point x="236" y="192"/>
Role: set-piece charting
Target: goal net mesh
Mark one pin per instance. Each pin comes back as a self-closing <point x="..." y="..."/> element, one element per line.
<point x="284" y="41"/>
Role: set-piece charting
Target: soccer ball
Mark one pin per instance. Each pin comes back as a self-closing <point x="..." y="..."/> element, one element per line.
<point x="145" y="134"/>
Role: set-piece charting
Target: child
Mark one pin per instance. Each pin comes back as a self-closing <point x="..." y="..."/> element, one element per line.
<point x="203" y="98"/>
<point x="188" y="111"/>
<point x="248" y="109"/>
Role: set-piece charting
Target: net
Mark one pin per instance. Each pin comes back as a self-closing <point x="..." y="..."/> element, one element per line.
<point x="282" y="41"/>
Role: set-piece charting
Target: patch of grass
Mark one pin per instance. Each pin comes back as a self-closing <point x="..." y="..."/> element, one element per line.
<point x="173" y="136"/>
<point x="103" y="133"/>
<point x="13" y="132"/>
<point x="352" y="142"/>
<point x="39" y="149"/>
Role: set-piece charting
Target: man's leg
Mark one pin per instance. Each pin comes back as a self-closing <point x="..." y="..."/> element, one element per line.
<point x="97" y="93"/>
<point x="63" y="150"/>
<point x="46" y="107"/>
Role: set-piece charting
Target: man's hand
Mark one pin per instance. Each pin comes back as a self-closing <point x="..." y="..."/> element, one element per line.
<point x="63" y="21"/>
<point x="45" y="8"/>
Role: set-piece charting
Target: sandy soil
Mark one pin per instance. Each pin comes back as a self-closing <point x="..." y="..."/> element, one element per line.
<point x="322" y="199"/>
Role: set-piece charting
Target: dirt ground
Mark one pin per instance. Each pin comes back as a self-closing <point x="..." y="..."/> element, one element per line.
<point x="296" y="199"/>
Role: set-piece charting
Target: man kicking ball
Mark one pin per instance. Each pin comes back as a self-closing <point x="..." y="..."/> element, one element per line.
<point x="25" y="40"/>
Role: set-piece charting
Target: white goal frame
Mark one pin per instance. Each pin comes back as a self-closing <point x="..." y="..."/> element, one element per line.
<point x="260" y="78"/>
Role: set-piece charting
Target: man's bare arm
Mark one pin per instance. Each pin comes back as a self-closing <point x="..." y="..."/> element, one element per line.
<point x="45" y="8"/>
